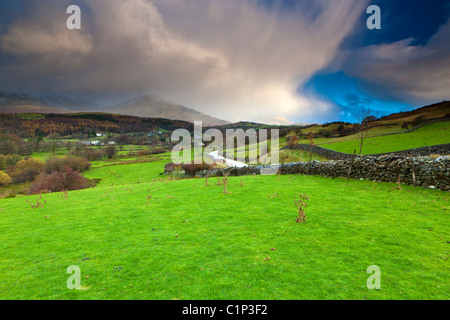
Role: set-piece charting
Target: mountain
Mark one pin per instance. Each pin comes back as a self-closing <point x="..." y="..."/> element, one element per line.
<point x="143" y="106"/>
<point x="155" y="107"/>
<point x="23" y="103"/>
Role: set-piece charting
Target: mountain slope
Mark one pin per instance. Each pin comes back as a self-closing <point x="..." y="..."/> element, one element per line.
<point x="22" y="103"/>
<point x="434" y="111"/>
<point x="155" y="107"/>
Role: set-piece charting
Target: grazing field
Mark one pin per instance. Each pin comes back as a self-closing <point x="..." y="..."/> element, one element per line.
<point x="138" y="235"/>
<point x="432" y="134"/>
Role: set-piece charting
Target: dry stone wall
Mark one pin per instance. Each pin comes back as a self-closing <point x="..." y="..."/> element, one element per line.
<point x="428" y="172"/>
<point x="442" y="149"/>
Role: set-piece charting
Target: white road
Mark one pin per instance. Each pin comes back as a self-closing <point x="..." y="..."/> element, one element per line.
<point x="228" y="162"/>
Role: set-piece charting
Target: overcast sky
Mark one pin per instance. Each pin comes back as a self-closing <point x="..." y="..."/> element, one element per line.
<point x="264" y="61"/>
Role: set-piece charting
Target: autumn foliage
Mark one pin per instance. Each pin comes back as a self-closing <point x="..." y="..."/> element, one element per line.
<point x="5" y="179"/>
<point x="66" y="180"/>
<point x="60" y="163"/>
<point x="26" y="170"/>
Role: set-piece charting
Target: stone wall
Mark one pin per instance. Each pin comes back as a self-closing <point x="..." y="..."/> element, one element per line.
<point x="442" y="149"/>
<point x="323" y="152"/>
<point x="429" y="172"/>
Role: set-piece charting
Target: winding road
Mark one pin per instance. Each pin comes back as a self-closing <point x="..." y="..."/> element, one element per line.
<point x="228" y="162"/>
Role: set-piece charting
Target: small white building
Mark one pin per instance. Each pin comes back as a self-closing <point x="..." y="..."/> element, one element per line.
<point x="154" y="133"/>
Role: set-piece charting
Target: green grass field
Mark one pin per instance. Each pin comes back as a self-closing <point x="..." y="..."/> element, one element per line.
<point x="192" y="241"/>
<point x="432" y="134"/>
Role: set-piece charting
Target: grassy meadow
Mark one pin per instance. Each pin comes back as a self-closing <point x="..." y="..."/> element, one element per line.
<point x="140" y="235"/>
<point x="431" y="134"/>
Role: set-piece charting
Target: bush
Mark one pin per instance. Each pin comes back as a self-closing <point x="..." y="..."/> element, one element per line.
<point x="123" y="140"/>
<point x="59" y="163"/>
<point x="10" y="144"/>
<point x="9" y="160"/>
<point x="419" y="120"/>
<point x="26" y="170"/>
<point x="66" y="180"/>
<point x="143" y="153"/>
<point x="325" y="133"/>
<point x="405" y="126"/>
<point x="159" y="151"/>
<point x="111" y="151"/>
<point x="5" y="179"/>
<point x="346" y="131"/>
<point x="192" y="169"/>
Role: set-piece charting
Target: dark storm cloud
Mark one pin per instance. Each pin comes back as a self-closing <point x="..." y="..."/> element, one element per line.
<point x="226" y="58"/>
<point x="403" y="71"/>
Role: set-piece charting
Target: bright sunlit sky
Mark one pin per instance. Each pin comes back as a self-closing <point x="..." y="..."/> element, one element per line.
<point x="266" y="61"/>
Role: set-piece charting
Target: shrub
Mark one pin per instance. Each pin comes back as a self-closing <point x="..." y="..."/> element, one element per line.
<point x="192" y="169"/>
<point x="301" y="205"/>
<point x="5" y="179"/>
<point x="10" y="144"/>
<point x="159" y="151"/>
<point x="142" y="153"/>
<point x="419" y="120"/>
<point x="405" y="126"/>
<point x="77" y="163"/>
<point x="9" y="160"/>
<point x="369" y="119"/>
<point x="123" y="140"/>
<point x="111" y="151"/>
<point x="26" y="170"/>
<point x="66" y="180"/>
<point x="292" y="141"/>
<point x="346" y="131"/>
<point x="325" y="133"/>
<point x="59" y="163"/>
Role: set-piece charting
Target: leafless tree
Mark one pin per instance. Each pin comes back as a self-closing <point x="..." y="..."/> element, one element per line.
<point x="363" y="124"/>
<point x="311" y="143"/>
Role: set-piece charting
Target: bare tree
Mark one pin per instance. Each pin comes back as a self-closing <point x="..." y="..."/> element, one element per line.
<point x="311" y="143"/>
<point x="363" y="124"/>
<point x="293" y="141"/>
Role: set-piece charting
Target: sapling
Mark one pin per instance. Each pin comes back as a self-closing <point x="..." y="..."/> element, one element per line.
<point x="225" y="184"/>
<point x="301" y="204"/>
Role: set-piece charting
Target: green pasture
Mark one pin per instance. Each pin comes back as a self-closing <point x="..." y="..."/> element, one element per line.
<point x="138" y="235"/>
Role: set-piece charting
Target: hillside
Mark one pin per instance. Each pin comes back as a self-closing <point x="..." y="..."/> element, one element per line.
<point x="155" y="107"/>
<point x="434" y="111"/>
<point x="23" y="103"/>
<point x="144" y="106"/>
<point x="84" y="123"/>
<point x="428" y="135"/>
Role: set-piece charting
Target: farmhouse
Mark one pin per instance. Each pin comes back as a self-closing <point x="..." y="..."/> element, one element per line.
<point x="154" y="133"/>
